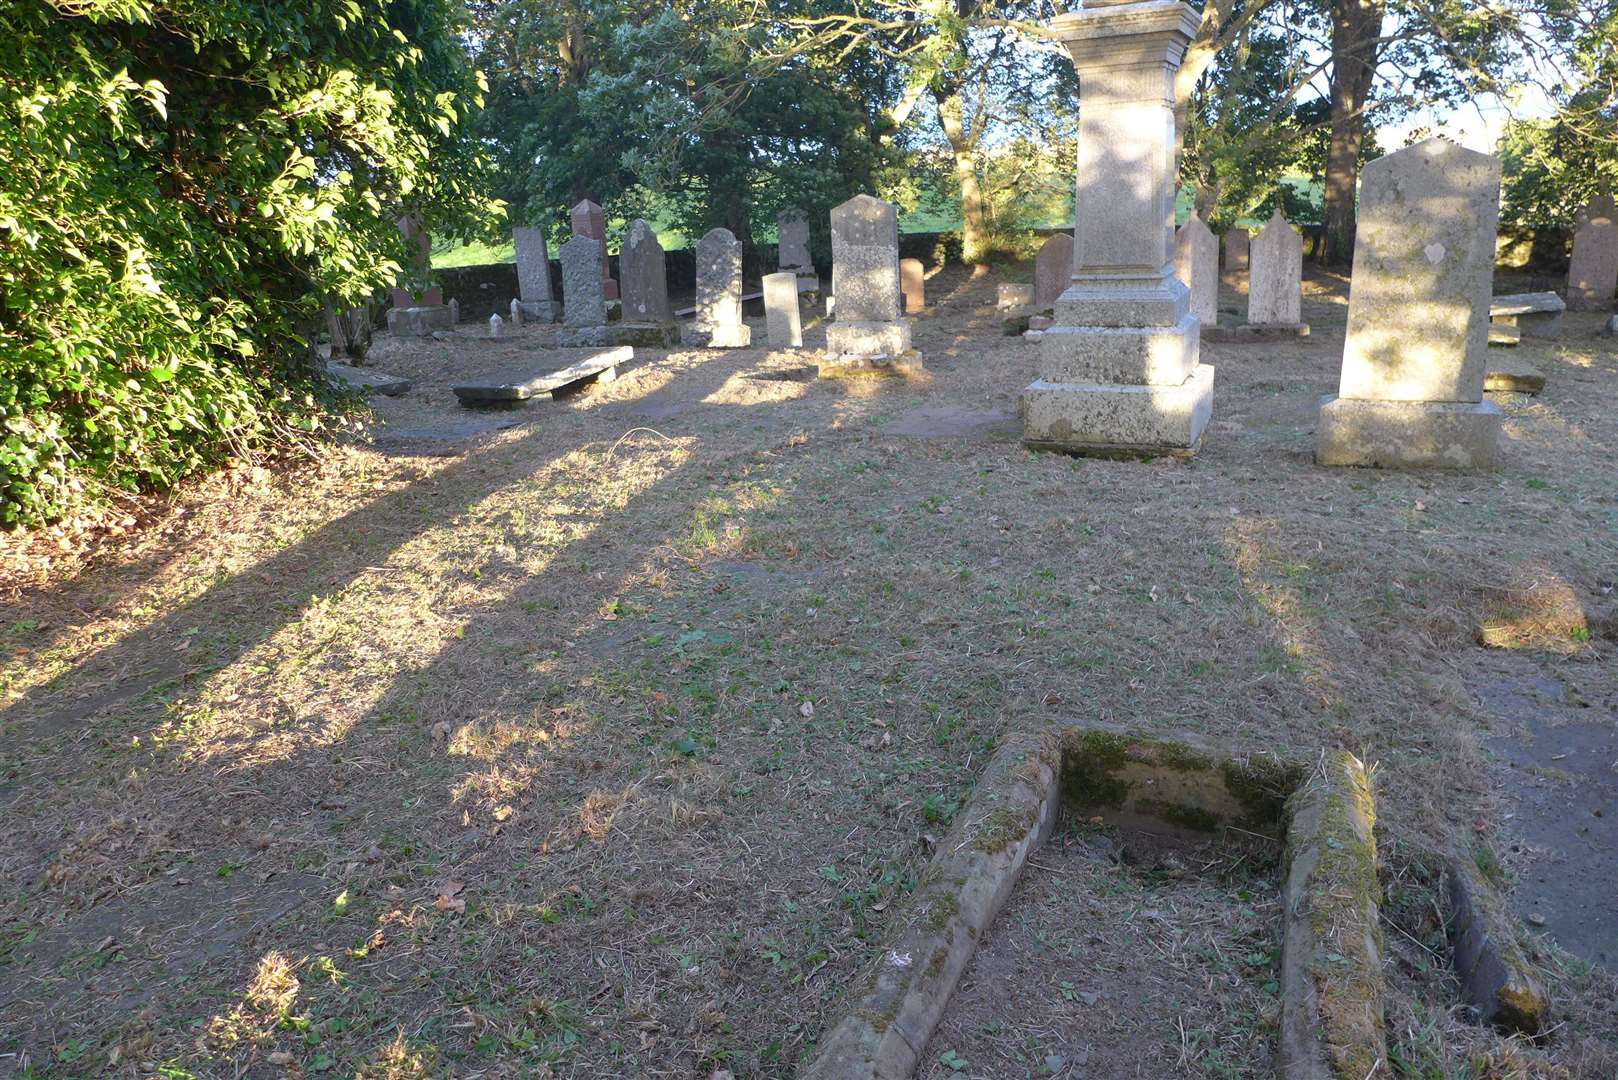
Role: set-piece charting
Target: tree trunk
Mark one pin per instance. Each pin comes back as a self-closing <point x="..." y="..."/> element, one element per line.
<point x="963" y="147"/>
<point x="1356" y="24"/>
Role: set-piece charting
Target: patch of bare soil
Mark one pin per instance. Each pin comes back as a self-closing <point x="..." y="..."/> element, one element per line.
<point x="605" y="743"/>
<point x="1120" y="957"/>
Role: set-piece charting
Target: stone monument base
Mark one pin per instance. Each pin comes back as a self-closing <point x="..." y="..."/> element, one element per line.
<point x="645" y="335"/>
<point x="1118" y="419"/>
<point x="724" y="337"/>
<point x="1408" y="434"/>
<point x="544" y="311"/>
<point x="867" y="340"/>
<point x="420" y="321"/>
<point x="586" y="337"/>
<point x="906" y="365"/>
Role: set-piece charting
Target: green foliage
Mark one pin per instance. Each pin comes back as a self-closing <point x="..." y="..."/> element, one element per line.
<point x="181" y="186"/>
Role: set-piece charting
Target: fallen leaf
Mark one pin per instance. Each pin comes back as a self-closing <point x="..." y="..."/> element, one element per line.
<point x="807" y="709"/>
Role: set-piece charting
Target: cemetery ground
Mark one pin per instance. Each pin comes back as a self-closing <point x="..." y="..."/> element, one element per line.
<point x="605" y="737"/>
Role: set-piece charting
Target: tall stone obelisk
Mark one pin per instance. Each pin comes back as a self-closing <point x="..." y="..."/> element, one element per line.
<point x="1119" y="371"/>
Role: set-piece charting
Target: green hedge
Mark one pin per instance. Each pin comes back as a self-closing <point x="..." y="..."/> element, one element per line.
<point x="181" y="185"/>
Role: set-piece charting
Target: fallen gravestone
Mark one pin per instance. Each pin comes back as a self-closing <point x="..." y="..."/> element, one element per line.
<point x="599" y="365"/>
<point x="1507" y="374"/>
<point x="367" y="379"/>
<point x="1537" y="315"/>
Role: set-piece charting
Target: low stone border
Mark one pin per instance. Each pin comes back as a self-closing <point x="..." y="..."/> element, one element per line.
<point x="1009" y="813"/>
<point x="1331" y="951"/>
<point x="1496" y="977"/>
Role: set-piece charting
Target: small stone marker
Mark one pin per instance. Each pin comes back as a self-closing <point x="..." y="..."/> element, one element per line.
<point x="913" y="284"/>
<point x="1196" y="263"/>
<point x="497" y="326"/>
<point x="516" y="313"/>
<point x="584" y="308"/>
<point x="792" y="251"/>
<point x="1611" y="328"/>
<point x="719" y="292"/>
<point x="454" y="312"/>
<point x="599" y="365"/>
<point x="533" y="274"/>
<point x="588" y="219"/>
<point x="1592" y="275"/>
<point x="1013" y="296"/>
<point x="1416" y="351"/>
<point x="870" y="333"/>
<point x="1275" y="284"/>
<point x="647" y="317"/>
<point x="1053" y="269"/>
<point x="1536" y="315"/>
<point x="781" y="315"/>
<point x="1511" y="375"/>
<point x="1236" y="249"/>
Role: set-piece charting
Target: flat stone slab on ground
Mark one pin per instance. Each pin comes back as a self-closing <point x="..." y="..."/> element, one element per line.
<point x="1250" y="334"/>
<point x="1534" y="314"/>
<point x="1509" y="374"/>
<point x="953" y="423"/>
<point x="1504" y="335"/>
<point x="513" y="387"/>
<point x="368" y="379"/>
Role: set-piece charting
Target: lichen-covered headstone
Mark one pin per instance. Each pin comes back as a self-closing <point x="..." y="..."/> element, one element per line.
<point x="1053" y="269"/>
<point x="865" y="281"/>
<point x="719" y="292"/>
<point x="1196" y="263"/>
<point x="1416" y="350"/>
<point x="588" y="219"/>
<point x="1592" y="275"/>
<point x="792" y="251"/>
<point x="1275" y="276"/>
<point x="534" y="274"/>
<point x="584" y="307"/>
<point x="643" y="268"/>
<point x="781" y="314"/>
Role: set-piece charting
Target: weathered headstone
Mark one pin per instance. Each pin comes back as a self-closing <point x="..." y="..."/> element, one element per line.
<point x="870" y="332"/>
<point x="719" y="292"/>
<point x="1416" y="350"/>
<point x="1275" y="282"/>
<point x="454" y="307"/>
<point x="913" y="284"/>
<point x="781" y="314"/>
<point x="584" y="306"/>
<point x="497" y="326"/>
<point x="1053" y="269"/>
<point x="1236" y="249"/>
<point x="647" y="317"/>
<point x="588" y="219"/>
<point x="1119" y="371"/>
<point x="1196" y="264"/>
<point x="792" y="239"/>
<point x="534" y="274"/>
<point x="412" y="315"/>
<point x="1592" y="276"/>
<point x="516" y="313"/>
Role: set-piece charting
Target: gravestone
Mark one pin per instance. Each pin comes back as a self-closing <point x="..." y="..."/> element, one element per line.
<point x="516" y="313"/>
<point x="913" y="284"/>
<point x="584" y="305"/>
<point x="870" y="333"/>
<point x="781" y="314"/>
<point x="588" y="219"/>
<point x="719" y="292"/>
<point x="1196" y="264"/>
<point x="534" y="274"/>
<point x="792" y="250"/>
<point x="1592" y="276"/>
<point x="411" y="315"/>
<point x="647" y="317"/>
<point x="1531" y="314"/>
<point x="1416" y="350"/>
<point x="1275" y="282"/>
<point x="1119" y="370"/>
<point x="1236" y="249"/>
<point x="497" y="326"/>
<point x="1053" y="269"/>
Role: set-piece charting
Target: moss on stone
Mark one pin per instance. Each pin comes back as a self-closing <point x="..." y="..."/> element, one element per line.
<point x="1185" y="815"/>
<point x="1090" y="764"/>
<point x="1001" y="828"/>
<point x="1262" y="787"/>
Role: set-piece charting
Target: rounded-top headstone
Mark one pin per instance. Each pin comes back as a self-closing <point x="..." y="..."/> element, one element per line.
<point x="866" y="220"/>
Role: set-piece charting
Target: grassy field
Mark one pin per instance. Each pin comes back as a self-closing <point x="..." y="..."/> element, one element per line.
<point x="603" y="738"/>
